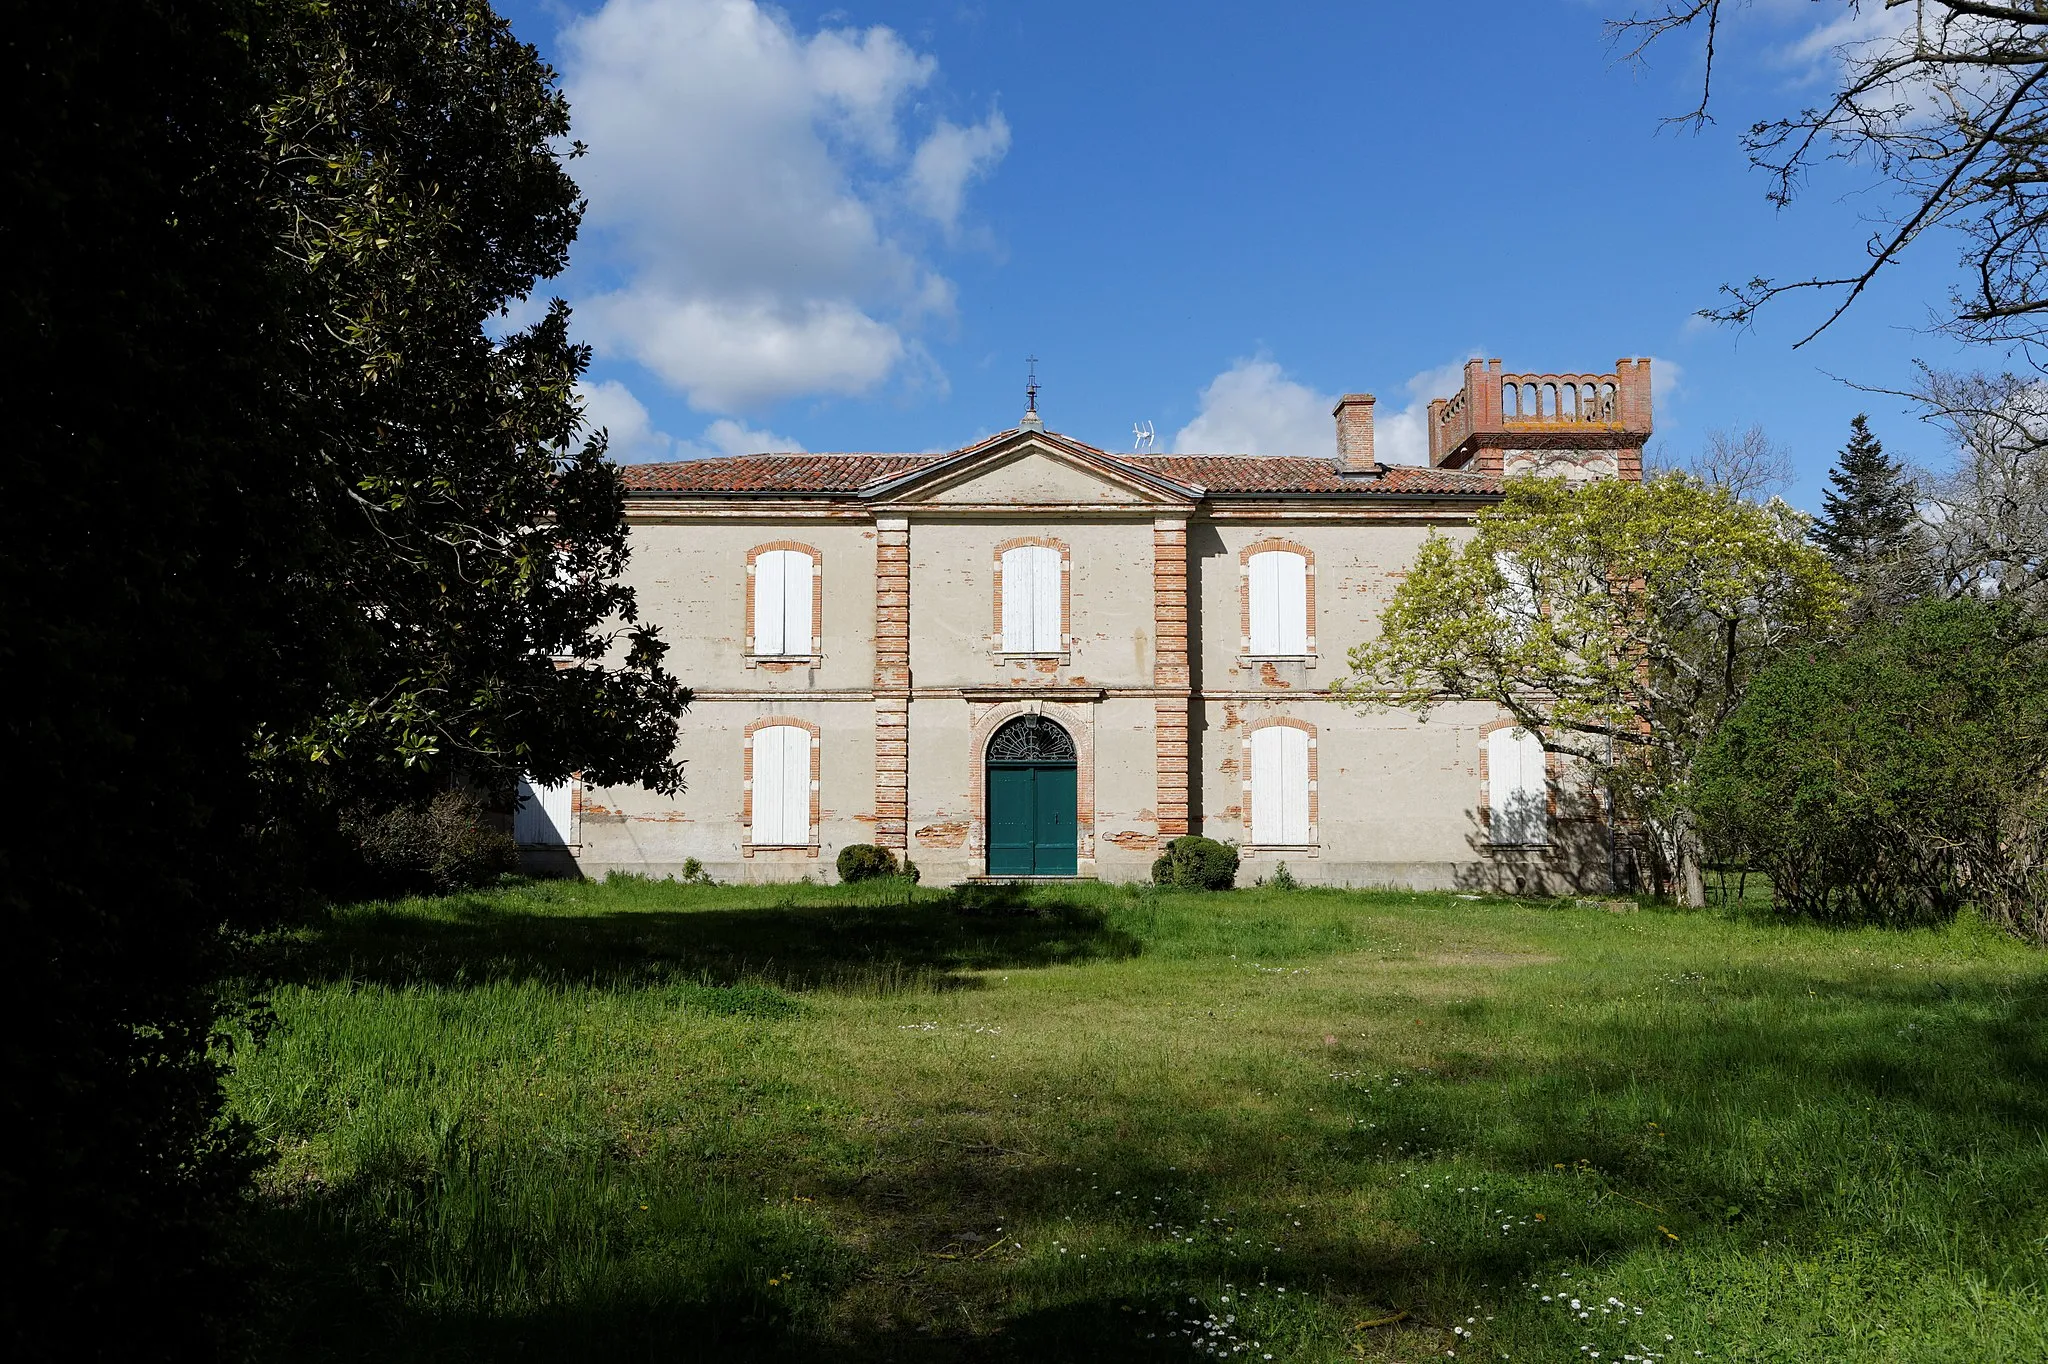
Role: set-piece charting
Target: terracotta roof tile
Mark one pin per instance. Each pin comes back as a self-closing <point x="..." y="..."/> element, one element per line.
<point x="845" y="475"/>
<point x="771" y="473"/>
<point x="1255" y="474"/>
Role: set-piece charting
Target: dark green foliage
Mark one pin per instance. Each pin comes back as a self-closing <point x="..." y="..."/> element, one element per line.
<point x="1894" y="776"/>
<point x="446" y="843"/>
<point x="1281" y="879"/>
<point x="470" y="537"/>
<point x="148" y="528"/>
<point x="270" y="485"/>
<point x="1870" y="525"/>
<point x="911" y="873"/>
<point x="1192" y="862"/>
<point x="865" y="862"/>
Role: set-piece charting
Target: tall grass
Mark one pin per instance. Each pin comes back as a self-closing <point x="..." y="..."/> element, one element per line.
<point x="587" y="1121"/>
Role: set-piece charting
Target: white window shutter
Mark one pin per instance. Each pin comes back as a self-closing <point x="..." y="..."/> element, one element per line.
<point x="1518" y="787"/>
<point x="797" y="626"/>
<point x="1031" y="601"/>
<point x="770" y="593"/>
<point x="1294" y="790"/>
<point x="1045" y="607"/>
<point x="1269" y="779"/>
<point x="1291" y="588"/>
<point x="782" y="786"/>
<point x="1018" y="591"/>
<point x="1280" y="786"/>
<point x="796" y="785"/>
<point x="768" y="785"/>
<point x="1265" y="603"/>
<point x="542" y="817"/>
<point x="1278" y="587"/>
<point x="1535" y="790"/>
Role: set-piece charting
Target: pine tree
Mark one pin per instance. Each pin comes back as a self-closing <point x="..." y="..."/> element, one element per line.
<point x="1870" y="525"/>
<point x="1869" y="512"/>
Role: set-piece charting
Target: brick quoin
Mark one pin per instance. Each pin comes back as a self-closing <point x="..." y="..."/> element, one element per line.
<point x="892" y="683"/>
<point x="1170" y="675"/>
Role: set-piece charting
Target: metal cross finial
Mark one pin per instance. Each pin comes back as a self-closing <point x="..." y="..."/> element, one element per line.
<point x="1031" y="388"/>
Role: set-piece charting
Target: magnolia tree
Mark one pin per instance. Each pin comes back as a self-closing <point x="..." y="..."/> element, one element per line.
<point x="1618" y="622"/>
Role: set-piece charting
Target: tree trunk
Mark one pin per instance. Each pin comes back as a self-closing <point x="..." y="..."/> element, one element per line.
<point x="1692" y="877"/>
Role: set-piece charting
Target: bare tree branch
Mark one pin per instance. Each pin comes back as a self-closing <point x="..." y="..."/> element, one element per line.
<point x="1950" y="110"/>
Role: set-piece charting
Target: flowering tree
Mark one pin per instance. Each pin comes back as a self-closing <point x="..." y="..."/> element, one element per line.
<point x="1618" y="622"/>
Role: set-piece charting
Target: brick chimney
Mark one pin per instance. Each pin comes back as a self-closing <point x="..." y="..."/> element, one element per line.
<point x="1354" y="433"/>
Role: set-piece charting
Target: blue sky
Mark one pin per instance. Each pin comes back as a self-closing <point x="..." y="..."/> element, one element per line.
<point x="843" y="228"/>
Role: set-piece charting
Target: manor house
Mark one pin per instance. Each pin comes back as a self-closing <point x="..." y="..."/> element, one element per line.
<point x="1034" y="658"/>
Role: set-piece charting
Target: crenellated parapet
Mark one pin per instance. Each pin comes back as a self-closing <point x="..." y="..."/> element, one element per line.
<point x="1588" y="425"/>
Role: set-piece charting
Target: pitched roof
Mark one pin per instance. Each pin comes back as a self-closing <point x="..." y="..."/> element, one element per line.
<point x="771" y="473"/>
<point x="849" y="475"/>
<point x="1282" y="474"/>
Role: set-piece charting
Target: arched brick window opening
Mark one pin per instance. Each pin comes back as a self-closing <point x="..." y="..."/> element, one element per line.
<point x="1281" y="784"/>
<point x="1515" y="783"/>
<point x="1033" y="596"/>
<point x="1277" y="600"/>
<point x="779" y="784"/>
<point x="785" y="600"/>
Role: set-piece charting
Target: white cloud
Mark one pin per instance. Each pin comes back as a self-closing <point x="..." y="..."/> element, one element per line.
<point x="1403" y="437"/>
<point x="1667" y="378"/>
<point x="950" y="158"/>
<point x="634" y="439"/>
<point x="1253" y="408"/>
<point x="750" y="186"/>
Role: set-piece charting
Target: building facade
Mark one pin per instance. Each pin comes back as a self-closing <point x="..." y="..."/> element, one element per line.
<point x="1033" y="658"/>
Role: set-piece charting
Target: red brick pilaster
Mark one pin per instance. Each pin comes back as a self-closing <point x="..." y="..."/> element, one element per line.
<point x="1170" y="670"/>
<point x="892" y="682"/>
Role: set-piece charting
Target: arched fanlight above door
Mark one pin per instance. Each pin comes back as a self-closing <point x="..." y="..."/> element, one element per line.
<point x="1031" y="739"/>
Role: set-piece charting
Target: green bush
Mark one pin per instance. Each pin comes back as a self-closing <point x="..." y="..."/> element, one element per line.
<point x="865" y="862"/>
<point x="1192" y="862"/>
<point x="445" y="843"/>
<point x="1892" y="777"/>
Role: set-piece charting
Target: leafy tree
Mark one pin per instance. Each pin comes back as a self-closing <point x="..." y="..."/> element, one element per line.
<point x="466" y="575"/>
<point x="286" y="523"/>
<point x="151" y="530"/>
<point x="1893" y="775"/>
<point x="1870" y="524"/>
<point x="1950" y="110"/>
<point x="1619" y="622"/>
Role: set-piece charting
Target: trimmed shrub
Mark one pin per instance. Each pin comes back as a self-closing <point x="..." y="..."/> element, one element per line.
<point x="446" y="843"/>
<point x="865" y="862"/>
<point x="1192" y="862"/>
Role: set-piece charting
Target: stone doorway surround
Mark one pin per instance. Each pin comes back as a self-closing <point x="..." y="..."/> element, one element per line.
<point x="989" y="712"/>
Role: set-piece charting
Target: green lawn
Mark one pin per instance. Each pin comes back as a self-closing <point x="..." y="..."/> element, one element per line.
<point x="641" y="1121"/>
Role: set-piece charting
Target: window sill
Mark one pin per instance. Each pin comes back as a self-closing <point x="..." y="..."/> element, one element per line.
<point x="1304" y="849"/>
<point x="1306" y="660"/>
<point x="807" y="849"/>
<point x="1025" y="656"/>
<point x="1519" y="847"/>
<point x="808" y="660"/>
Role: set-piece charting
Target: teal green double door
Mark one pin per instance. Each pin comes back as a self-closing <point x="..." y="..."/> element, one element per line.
<point x="1031" y="824"/>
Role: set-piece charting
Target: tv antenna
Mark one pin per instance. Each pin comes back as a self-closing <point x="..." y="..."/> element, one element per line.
<point x="1142" y="438"/>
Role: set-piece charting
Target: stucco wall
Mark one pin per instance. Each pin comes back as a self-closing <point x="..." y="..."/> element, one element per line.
<point x="631" y="829"/>
<point x="952" y="603"/>
<point x="691" y="580"/>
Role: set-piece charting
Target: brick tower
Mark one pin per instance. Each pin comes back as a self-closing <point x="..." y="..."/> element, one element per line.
<point x="1583" y="426"/>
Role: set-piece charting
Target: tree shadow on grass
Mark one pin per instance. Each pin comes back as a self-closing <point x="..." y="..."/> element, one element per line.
<point x="1856" y="1071"/>
<point x="858" y="944"/>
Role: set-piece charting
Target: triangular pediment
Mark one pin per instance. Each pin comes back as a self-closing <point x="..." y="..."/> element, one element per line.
<point x="1033" y="469"/>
